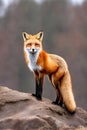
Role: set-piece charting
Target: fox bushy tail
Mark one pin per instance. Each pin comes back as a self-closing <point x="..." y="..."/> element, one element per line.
<point x="67" y="94"/>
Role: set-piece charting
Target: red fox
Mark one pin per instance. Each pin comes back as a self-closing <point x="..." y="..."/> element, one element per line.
<point x="40" y="63"/>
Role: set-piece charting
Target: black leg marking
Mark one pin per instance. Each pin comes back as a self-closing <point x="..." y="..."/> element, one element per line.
<point x="39" y="90"/>
<point x="35" y="94"/>
<point x="58" y="102"/>
<point x="38" y="93"/>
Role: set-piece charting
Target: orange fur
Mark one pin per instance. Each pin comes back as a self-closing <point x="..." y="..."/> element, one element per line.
<point x="41" y="63"/>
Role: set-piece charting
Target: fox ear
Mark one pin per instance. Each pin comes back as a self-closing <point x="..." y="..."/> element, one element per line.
<point x="40" y="36"/>
<point x="25" y="36"/>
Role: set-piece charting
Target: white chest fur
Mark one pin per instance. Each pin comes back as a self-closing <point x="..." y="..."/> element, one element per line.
<point x="32" y="61"/>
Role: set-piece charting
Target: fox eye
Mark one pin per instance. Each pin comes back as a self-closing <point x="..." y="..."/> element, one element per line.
<point x="29" y="44"/>
<point x="36" y="44"/>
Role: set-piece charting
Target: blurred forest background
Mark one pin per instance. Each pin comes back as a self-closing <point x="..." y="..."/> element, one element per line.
<point x="65" y="34"/>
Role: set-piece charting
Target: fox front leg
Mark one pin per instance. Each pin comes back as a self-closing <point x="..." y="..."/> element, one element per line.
<point x="39" y="77"/>
<point x="39" y="86"/>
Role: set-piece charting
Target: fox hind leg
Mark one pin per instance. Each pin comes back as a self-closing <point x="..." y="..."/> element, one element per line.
<point x="58" y="100"/>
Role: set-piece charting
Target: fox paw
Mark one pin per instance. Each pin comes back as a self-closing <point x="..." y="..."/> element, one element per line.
<point x="55" y="103"/>
<point x="38" y="97"/>
<point x="58" y="103"/>
<point x="33" y="94"/>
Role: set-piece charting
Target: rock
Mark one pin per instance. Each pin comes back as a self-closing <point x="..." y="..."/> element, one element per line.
<point x="21" y="111"/>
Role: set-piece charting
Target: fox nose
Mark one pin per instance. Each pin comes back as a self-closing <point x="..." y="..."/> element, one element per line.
<point x="33" y="49"/>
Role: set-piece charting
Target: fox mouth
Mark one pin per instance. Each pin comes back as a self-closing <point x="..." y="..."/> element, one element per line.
<point x="33" y="52"/>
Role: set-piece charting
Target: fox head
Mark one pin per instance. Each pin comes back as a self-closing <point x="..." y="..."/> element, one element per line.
<point x="33" y="43"/>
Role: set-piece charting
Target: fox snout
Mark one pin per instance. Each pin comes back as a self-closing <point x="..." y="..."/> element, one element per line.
<point x="31" y="50"/>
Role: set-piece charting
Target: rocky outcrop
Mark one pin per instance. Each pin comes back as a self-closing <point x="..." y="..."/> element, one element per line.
<point x="21" y="111"/>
